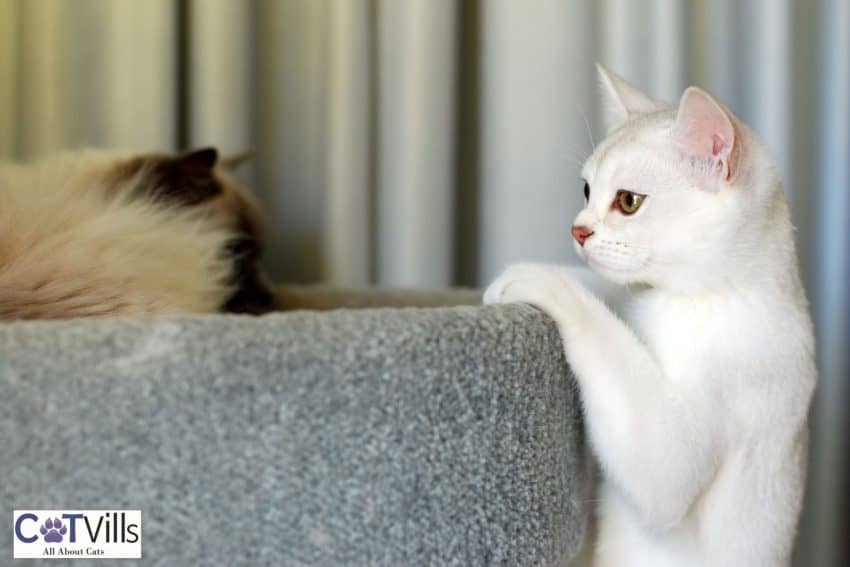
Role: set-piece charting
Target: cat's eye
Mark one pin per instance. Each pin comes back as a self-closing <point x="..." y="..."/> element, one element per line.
<point x="586" y="191"/>
<point x="628" y="202"/>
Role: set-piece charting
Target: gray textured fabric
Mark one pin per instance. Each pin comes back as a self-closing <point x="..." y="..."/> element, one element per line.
<point x="379" y="436"/>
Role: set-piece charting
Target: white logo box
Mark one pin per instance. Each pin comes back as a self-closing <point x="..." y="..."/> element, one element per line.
<point x="82" y="534"/>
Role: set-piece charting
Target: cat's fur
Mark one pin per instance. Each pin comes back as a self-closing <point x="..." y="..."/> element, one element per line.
<point x="95" y="233"/>
<point x="696" y="407"/>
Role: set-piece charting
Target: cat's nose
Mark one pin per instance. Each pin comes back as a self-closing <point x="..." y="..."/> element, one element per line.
<point x="581" y="233"/>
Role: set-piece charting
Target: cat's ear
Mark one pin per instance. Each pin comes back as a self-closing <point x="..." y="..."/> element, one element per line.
<point x="622" y="100"/>
<point x="187" y="178"/>
<point x="705" y="131"/>
<point x="199" y="160"/>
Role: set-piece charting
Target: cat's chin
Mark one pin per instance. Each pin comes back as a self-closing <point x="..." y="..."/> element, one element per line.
<point x="617" y="276"/>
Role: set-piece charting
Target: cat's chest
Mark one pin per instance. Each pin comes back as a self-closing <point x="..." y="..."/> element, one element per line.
<point x="691" y="338"/>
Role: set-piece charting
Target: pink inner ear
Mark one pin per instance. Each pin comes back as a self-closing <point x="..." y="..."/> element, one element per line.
<point x="718" y="145"/>
<point x="704" y="128"/>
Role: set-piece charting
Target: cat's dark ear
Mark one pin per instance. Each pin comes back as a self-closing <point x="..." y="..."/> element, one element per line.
<point x="705" y="130"/>
<point x="199" y="160"/>
<point x="622" y="100"/>
<point x="187" y="178"/>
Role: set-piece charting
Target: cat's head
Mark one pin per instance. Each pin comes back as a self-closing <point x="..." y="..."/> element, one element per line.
<point x="676" y="197"/>
<point x="201" y="179"/>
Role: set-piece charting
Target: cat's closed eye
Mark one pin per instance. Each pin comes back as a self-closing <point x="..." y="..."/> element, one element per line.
<point x="586" y="191"/>
<point x="628" y="202"/>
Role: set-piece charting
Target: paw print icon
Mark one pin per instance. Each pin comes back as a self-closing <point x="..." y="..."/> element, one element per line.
<point x="53" y="530"/>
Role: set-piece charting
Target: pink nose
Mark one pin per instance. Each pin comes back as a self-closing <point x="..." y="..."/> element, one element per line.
<point x="581" y="233"/>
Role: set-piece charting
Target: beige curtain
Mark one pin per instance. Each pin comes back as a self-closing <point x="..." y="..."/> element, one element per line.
<point x="432" y="142"/>
<point x="86" y="72"/>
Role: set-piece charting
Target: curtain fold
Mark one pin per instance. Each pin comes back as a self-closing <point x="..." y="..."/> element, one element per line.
<point x="772" y="92"/>
<point x="290" y="99"/>
<point x="348" y="257"/>
<point x="432" y="142"/>
<point x="416" y="76"/>
<point x="537" y="113"/>
<point x="8" y="71"/>
<point x="82" y="74"/>
<point x="38" y="104"/>
<point x="826" y="538"/>
<point x="218" y="40"/>
<point x="669" y="48"/>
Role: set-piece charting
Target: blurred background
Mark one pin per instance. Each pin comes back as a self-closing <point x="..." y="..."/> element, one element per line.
<point x="429" y="143"/>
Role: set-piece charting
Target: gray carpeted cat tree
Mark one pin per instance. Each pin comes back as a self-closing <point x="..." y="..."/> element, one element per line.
<point x="377" y="436"/>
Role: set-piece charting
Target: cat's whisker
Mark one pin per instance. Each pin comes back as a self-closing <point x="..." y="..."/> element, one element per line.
<point x="589" y="133"/>
<point x="595" y="500"/>
<point x="576" y="158"/>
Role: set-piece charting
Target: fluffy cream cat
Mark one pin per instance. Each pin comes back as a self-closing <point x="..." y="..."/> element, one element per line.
<point x="94" y="233"/>
<point x="696" y="405"/>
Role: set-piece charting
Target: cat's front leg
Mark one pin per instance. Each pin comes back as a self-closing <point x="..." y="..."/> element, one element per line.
<point x="653" y="440"/>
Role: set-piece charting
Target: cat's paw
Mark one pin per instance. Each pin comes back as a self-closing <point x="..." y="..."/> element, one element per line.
<point x="542" y="286"/>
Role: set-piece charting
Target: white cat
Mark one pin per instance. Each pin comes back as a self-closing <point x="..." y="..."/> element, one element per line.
<point x="696" y="408"/>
